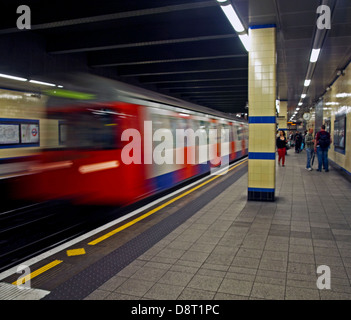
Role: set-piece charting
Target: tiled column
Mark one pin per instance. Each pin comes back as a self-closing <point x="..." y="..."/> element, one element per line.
<point x="283" y="114"/>
<point x="262" y="120"/>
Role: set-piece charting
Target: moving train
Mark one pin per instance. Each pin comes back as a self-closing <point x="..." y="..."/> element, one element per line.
<point x="118" y="144"/>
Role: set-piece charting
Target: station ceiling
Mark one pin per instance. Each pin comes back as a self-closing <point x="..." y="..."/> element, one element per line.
<point x="187" y="48"/>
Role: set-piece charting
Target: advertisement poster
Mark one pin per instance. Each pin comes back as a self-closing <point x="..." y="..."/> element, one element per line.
<point x="30" y="133"/>
<point x="9" y="133"/>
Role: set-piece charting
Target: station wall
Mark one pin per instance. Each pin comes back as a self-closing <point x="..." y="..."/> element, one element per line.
<point x="16" y="106"/>
<point x="337" y="114"/>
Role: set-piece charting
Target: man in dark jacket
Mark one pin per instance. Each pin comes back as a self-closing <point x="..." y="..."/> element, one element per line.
<point x="321" y="145"/>
<point x="298" y="141"/>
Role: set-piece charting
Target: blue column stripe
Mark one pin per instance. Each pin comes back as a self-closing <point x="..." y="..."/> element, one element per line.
<point x="264" y="26"/>
<point x="262" y="120"/>
<point x="261" y="155"/>
<point x="261" y="189"/>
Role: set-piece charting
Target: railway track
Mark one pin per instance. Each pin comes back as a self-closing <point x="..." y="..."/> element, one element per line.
<point x="28" y="231"/>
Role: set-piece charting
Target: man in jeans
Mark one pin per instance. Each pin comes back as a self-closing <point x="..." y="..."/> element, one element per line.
<point x="321" y="145"/>
<point x="309" y="141"/>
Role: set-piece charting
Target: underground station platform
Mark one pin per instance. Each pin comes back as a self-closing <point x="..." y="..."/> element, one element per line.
<point x="207" y="242"/>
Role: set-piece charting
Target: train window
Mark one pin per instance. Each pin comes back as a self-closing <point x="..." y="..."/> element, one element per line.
<point x="234" y="132"/>
<point x="239" y="132"/>
<point x="182" y="124"/>
<point x="95" y="129"/>
<point x="62" y="132"/>
<point x="164" y="124"/>
<point x="225" y="133"/>
<point x="231" y="133"/>
<point x="202" y="126"/>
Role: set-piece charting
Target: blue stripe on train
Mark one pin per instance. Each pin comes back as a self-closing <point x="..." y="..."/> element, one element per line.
<point x="170" y="179"/>
<point x="165" y="181"/>
<point x="204" y="167"/>
<point x="173" y="178"/>
<point x="239" y="154"/>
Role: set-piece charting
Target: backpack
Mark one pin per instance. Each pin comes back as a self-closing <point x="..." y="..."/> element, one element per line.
<point x="324" y="140"/>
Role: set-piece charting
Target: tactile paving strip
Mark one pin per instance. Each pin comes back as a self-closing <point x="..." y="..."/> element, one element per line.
<point x="11" y="292"/>
<point x="88" y="280"/>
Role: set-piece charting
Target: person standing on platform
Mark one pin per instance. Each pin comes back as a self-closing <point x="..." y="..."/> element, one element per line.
<point x="321" y="145"/>
<point x="281" y="146"/>
<point x="298" y="141"/>
<point x="309" y="148"/>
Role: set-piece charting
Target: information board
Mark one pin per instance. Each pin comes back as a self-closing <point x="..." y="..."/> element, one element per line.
<point x="9" y="134"/>
<point x="30" y="133"/>
<point x="19" y="133"/>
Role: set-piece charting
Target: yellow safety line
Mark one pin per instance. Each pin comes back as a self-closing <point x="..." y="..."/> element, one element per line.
<point x="113" y="232"/>
<point x="37" y="272"/>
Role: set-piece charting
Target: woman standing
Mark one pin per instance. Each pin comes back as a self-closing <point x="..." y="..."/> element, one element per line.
<point x="281" y="146"/>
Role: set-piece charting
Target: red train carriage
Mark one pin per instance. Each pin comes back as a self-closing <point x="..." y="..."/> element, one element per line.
<point x="120" y="145"/>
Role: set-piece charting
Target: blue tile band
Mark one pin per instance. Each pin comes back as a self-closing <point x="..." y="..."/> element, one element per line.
<point x="260" y="194"/>
<point x="261" y="155"/>
<point x="262" y="119"/>
<point x="261" y="189"/>
<point x="264" y="26"/>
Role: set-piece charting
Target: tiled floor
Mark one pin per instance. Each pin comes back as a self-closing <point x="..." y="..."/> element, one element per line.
<point x="234" y="249"/>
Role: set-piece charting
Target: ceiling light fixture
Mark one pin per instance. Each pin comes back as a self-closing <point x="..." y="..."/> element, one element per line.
<point x="43" y="83"/>
<point x="343" y="95"/>
<point x="235" y="22"/>
<point x="7" y="76"/>
<point x="245" y="40"/>
<point x="314" y="55"/>
<point x="232" y="17"/>
<point x="307" y="83"/>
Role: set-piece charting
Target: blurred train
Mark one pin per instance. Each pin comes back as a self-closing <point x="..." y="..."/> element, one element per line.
<point x="92" y="115"/>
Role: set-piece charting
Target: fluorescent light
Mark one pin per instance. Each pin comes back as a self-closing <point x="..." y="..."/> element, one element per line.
<point x="233" y="18"/>
<point x="307" y="83"/>
<point x="12" y="77"/>
<point x="43" y="83"/>
<point x="314" y="55"/>
<point x="245" y="39"/>
<point x="303" y="96"/>
<point x="343" y="95"/>
<point x="59" y="86"/>
<point x="221" y="0"/>
<point x="300" y="104"/>
<point x="277" y="105"/>
<point x="297" y="109"/>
